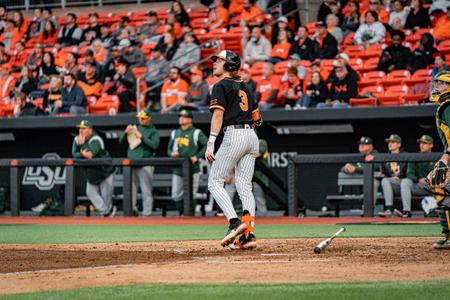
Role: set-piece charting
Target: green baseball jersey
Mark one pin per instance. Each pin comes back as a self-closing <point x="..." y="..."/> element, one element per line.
<point x="94" y="144"/>
<point x="149" y="142"/>
<point x="442" y="123"/>
<point x="264" y="158"/>
<point x="188" y="143"/>
<point x="419" y="170"/>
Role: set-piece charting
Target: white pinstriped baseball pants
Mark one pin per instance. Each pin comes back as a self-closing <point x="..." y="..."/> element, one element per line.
<point x="238" y="150"/>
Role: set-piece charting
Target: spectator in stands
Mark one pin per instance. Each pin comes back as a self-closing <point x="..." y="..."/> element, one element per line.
<point x="280" y="50"/>
<point x="174" y="24"/>
<point x="20" y="23"/>
<point x="35" y="27"/>
<point x="132" y="54"/>
<point x="49" y="35"/>
<point x="3" y="17"/>
<point x="71" y="64"/>
<point x="6" y="81"/>
<point x="316" y="92"/>
<point x="185" y="28"/>
<point x="334" y="29"/>
<point x="89" y="58"/>
<point x="424" y="54"/>
<point x="294" y="61"/>
<point x="282" y="24"/>
<point x="267" y="87"/>
<point x="19" y="57"/>
<point x="92" y="31"/>
<point x="109" y="70"/>
<point x="252" y="15"/>
<point x="342" y="58"/>
<point x="179" y="11"/>
<point x="371" y="31"/>
<point x="149" y="29"/>
<point x="440" y="30"/>
<point x="157" y="69"/>
<point x="72" y="100"/>
<point x="439" y="65"/>
<point x="23" y="107"/>
<point x="351" y="20"/>
<point x="198" y="92"/>
<point x="325" y="10"/>
<point x="218" y="16"/>
<point x="393" y="173"/>
<point x="10" y="35"/>
<point x="290" y="90"/>
<point x="174" y="91"/>
<point x="188" y="53"/>
<point x="26" y="82"/>
<point x="186" y="142"/>
<point x="336" y="11"/>
<point x="70" y="34"/>
<point x="344" y="88"/>
<point x="4" y="57"/>
<point x="100" y="179"/>
<point x="246" y="77"/>
<point x="143" y="141"/>
<point x="124" y="86"/>
<point x="328" y="45"/>
<point x="306" y="48"/>
<point x="397" y="18"/>
<point x="418" y="16"/>
<point x="89" y="81"/>
<point x="46" y="69"/>
<point x="53" y="94"/>
<point x="99" y="52"/>
<point x="376" y="7"/>
<point x="35" y="58"/>
<point x="106" y="37"/>
<point x="236" y="7"/>
<point x="416" y="178"/>
<point x="47" y="15"/>
<point x="258" y="48"/>
<point x="396" y="56"/>
<point x="169" y="46"/>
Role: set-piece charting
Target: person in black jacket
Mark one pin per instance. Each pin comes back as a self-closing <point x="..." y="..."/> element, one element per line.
<point x="92" y="31"/>
<point x="396" y="56"/>
<point x="418" y="17"/>
<point x="47" y="68"/>
<point x="180" y="12"/>
<point x="343" y="58"/>
<point x="316" y="92"/>
<point x="306" y="48"/>
<point x="328" y="45"/>
<point x="73" y="99"/>
<point x="69" y="35"/>
<point x="22" y="107"/>
<point x="26" y="83"/>
<point x="124" y="86"/>
<point x="423" y="55"/>
<point x="392" y="172"/>
<point x="325" y="10"/>
<point x="344" y="88"/>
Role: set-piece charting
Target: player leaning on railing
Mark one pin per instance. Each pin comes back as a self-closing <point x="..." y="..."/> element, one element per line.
<point x="439" y="176"/>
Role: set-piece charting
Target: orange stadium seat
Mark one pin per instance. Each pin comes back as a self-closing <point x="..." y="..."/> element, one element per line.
<point x="103" y="105"/>
<point x="393" y="96"/>
<point x="396" y="77"/>
<point x="371" y="78"/>
<point x="256" y="69"/>
<point x="420" y="76"/>
<point x="356" y="63"/>
<point x="353" y="51"/>
<point x="369" y="65"/>
<point x="375" y="90"/>
<point x="281" y="67"/>
<point x="444" y="47"/>
<point x="363" y="102"/>
<point x="138" y="71"/>
<point x="414" y="99"/>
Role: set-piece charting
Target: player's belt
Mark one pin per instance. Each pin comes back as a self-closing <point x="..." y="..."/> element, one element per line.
<point x="240" y="126"/>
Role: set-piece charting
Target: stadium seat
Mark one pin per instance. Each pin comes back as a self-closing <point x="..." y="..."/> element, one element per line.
<point x="281" y="67"/>
<point x="138" y="71"/>
<point x="372" y="51"/>
<point x="256" y="69"/>
<point x="375" y="90"/>
<point x="104" y="105"/>
<point x="396" y="77"/>
<point x="420" y="76"/>
<point x="356" y="63"/>
<point x="393" y="96"/>
<point x="371" y="78"/>
<point x="353" y="51"/>
<point x="414" y="99"/>
<point x="369" y="64"/>
<point x="363" y="102"/>
<point x="444" y="47"/>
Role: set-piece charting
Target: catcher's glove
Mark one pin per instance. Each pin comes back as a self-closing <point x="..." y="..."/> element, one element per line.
<point x="439" y="176"/>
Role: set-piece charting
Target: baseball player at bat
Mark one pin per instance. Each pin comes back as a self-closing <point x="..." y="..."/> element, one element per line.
<point x="235" y="110"/>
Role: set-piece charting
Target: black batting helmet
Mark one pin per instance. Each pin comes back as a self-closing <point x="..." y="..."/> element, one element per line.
<point x="232" y="60"/>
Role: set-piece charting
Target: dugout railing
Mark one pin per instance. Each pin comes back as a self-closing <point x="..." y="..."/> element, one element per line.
<point x="296" y="162"/>
<point x="73" y="165"/>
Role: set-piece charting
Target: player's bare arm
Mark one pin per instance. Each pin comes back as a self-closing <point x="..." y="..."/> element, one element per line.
<point x="216" y="124"/>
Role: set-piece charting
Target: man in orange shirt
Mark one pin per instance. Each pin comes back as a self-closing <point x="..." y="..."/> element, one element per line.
<point x="90" y="81"/>
<point x="441" y="30"/>
<point x="267" y="87"/>
<point x="252" y="15"/>
<point x="375" y="5"/>
<point x="174" y="91"/>
<point x="218" y="16"/>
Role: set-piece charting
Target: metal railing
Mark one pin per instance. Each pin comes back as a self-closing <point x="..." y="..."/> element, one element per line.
<point x="368" y="172"/>
<point x="72" y="165"/>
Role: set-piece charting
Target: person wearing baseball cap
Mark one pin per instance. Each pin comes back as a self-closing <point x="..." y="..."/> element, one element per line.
<point x="143" y="141"/>
<point x="186" y="142"/>
<point x="150" y="28"/>
<point x="282" y="24"/>
<point x="393" y="172"/>
<point x="342" y="59"/>
<point x="198" y="92"/>
<point x="305" y="47"/>
<point x="132" y="54"/>
<point x="415" y="182"/>
<point x="100" y="179"/>
<point x="328" y="45"/>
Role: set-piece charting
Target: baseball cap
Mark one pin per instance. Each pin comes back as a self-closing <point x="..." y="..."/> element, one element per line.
<point x="144" y="114"/>
<point x="295" y="56"/>
<point x="320" y="24"/>
<point x="394" y="138"/>
<point x="124" y="43"/>
<point x="282" y="19"/>
<point x="425" y="139"/>
<point x="343" y="56"/>
<point x="197" y="72"/>
<point x="365" y="140"/>
<point x="84" y="124"/>
<point x="185" y="113"/>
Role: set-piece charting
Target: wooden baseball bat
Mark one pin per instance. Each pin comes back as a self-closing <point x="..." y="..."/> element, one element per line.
<point x="323" y="244"/>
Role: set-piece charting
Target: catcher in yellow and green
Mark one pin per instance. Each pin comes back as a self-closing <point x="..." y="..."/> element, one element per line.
<point x="439" y="177"/>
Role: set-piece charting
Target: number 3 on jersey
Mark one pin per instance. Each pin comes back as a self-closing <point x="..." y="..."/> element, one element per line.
<point x="244" y="100"/>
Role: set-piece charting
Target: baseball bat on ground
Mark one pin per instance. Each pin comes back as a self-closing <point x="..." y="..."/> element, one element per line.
<point x="323" y="244"/>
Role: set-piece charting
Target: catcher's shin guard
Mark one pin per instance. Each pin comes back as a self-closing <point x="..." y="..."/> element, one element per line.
<point x="444" y="219"/>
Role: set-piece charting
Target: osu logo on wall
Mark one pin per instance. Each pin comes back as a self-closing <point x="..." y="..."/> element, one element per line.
<point x="45" y="178"/>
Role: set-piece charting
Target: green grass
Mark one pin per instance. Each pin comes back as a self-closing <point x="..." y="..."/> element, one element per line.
<point x="337" y="291"/>
<point x="32" y="234"/>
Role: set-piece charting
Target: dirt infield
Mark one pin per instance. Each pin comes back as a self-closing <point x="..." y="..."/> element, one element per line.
<point x="30" y="268"/>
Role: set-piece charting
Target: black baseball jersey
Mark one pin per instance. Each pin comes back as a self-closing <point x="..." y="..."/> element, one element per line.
<point x="236" y="100"/>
